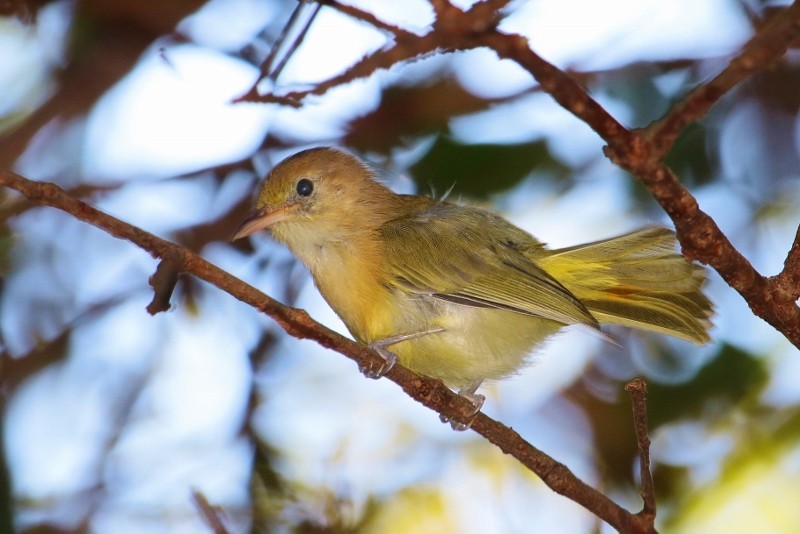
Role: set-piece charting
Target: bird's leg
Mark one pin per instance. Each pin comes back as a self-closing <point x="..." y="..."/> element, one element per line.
<point x="389" y="358"/>
<point x="476" y="399"/>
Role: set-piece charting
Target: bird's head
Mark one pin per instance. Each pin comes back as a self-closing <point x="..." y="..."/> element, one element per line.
<point x="319" y="193"/>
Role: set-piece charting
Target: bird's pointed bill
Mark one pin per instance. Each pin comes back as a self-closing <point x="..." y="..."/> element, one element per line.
<point x="260" y="220"/>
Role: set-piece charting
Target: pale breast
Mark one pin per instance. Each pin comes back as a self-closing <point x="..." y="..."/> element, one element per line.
<point x="476" y="344"/>
<point x="350" y="281"/>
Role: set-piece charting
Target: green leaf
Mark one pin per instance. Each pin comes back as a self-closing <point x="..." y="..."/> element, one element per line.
<point x="407" y="112"/>
<point x="730" y="377"/>
<point x="689" y="157"/>
<point x="479" y="170"/>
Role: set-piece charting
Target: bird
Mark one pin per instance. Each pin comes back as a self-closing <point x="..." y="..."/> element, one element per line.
<point x="456" y="292"/>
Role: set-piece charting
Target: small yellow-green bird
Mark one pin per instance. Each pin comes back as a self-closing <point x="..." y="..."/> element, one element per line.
<point x="456" y="292"/>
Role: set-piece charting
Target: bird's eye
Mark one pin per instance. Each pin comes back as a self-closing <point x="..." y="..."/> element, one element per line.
<point x="305" y="187"/>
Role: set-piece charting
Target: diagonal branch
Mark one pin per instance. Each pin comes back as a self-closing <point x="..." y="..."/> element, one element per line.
<point x="429" y="392"/>
<point x="366" y="66"/>
<point x="210" y="514"/>
<point x="365" y="16"/>
<point x="274" y="66"/>
<point x="563" y="88"/>
<point x="702" y="239"/>
<point x="764" y="49"/>
<point x="407" y="46"/>
<point x="698" y="233"/>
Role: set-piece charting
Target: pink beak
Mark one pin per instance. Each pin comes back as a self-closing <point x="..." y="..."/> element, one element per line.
<point x="260" y="220"/>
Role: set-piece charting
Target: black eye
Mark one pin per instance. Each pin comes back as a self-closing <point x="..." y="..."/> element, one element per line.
<point x="305" y="187"/>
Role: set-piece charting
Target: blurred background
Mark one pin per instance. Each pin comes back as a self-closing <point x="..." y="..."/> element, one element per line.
<point x="117" y="421"/>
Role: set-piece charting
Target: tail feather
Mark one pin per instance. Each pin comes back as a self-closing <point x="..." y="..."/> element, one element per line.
<point x="637" y="280"/>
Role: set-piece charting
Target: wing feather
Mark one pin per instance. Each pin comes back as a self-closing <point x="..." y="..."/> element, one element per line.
<point x="472" y="257"/>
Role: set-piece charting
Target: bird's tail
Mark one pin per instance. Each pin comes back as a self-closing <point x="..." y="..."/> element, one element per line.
<point x="637" y="280"/>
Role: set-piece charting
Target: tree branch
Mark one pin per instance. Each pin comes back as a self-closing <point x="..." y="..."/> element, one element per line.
<point x="698" y="233"/>
<point x="789" y="279"/>
<point x="210" y="514"/>
<point x="637" y="151"/>
<point x="268" y="66"/>
<point x="637" y="389"/>
<point x="365" y="16"/>
<point x="764" y="49"/>
<point x="564" y="89"/>
<point x="429" y="392"/>
<point x="383" y="58"/>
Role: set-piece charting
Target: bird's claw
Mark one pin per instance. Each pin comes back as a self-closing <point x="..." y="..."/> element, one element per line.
<point x="371" y="370"/>
<point x="477" y="402"/>
<point x="376" y="370"/>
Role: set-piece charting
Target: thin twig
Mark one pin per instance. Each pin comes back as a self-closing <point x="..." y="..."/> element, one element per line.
<point x="365" y="16"/>
<point x="374" y="61"/>
<point x="380" y="59"/>
<point x="638" y="392"/>
<point x="273" y="75"/>
<point x="266" y="65"/>
<point x="764" y="49"/>
<point x="564" y="89"/>
<point x="210" y="514"/>
<point x="269" y="61"/>
<point x="269" y="69"/>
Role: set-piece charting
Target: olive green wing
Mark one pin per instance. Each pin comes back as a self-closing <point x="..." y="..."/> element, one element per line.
<point x="472" y="257"/>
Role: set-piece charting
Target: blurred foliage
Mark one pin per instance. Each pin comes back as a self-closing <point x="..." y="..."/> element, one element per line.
<point x="44" y="354"/>
<point x="731" y="378"/>
<point x="689" y="157"/>
<point x="756" y="489"/>
<point x="6" y="493"/>
<point x="612" y="427"/>
<point x="411" y="111"/>
<point x="481" y="170"/>
<point x="415" y="510"/>
<point x="777" y="87"/>
<point x="106" y="41"/>
<point x="24" y="10"/>
<point x="640" y="94"/>
<point x="290" y="505"/>
<point x="267" y="489"/>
